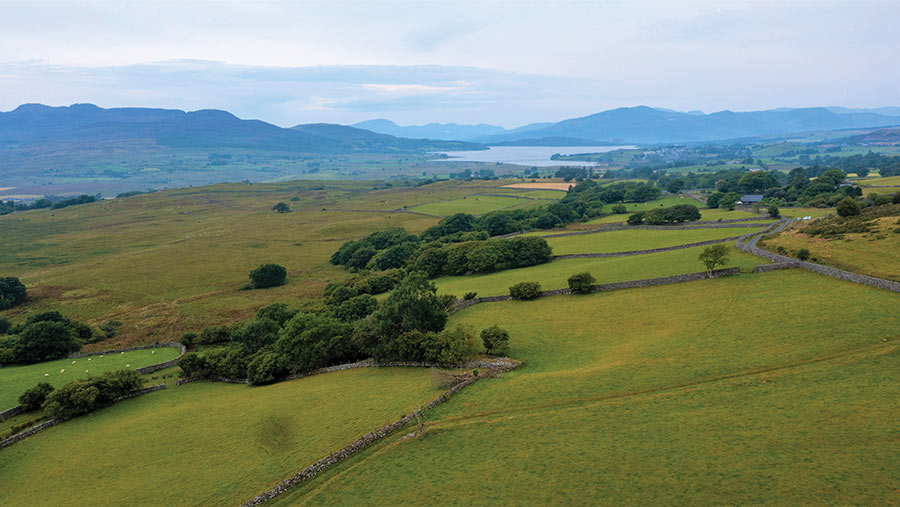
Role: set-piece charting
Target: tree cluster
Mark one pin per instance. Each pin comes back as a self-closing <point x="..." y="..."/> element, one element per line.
<point x="12" y="292"/>
<point x="88" y="394"/>
<point x="672" y="215"/>
<point x="43" y="337"/>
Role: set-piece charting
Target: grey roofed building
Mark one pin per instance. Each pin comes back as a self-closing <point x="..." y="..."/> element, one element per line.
<point x="750" y="199"/>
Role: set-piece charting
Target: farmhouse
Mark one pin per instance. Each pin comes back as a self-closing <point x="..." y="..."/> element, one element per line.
<point x="750" y="199"/>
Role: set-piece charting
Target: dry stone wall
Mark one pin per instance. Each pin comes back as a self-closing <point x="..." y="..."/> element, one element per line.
<point x="629" y="284"/>
<point x="318" y="467"/>
<point x="53" y="422"/>
<point x="11" y="412"/>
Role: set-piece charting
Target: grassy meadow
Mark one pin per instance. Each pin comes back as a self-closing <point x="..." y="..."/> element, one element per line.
<point x="712" y="392"/>
<point x="476" y="205"/>
<point x="206" y="443"/>
<point x="554" y="275"/>
<point x="14" y="380"/>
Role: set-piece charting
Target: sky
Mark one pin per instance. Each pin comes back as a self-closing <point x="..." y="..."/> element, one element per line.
<point x="505" y="63"/>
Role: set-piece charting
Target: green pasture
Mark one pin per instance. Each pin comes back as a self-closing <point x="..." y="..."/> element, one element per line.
<point x="639" y="239"/>
<point x="554" y="274"/>
<point x="761" y="389"/>
<point x="14" y="380"/>
<point x="205" y="443"/>
<point x="545" y="194"/>
<point x="889" y="180"/>
<point x="722" y="214"/>
<point x="473" y="204"/>
<point x="805" y="212"/>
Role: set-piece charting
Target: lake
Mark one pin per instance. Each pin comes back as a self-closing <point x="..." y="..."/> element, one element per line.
<point x="535" y="156"/>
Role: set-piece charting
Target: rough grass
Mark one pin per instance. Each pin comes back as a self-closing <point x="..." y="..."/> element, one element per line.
<point x="554" y="275"/>
<point x="172" y="262"/>
<point x="638" y="239"/>
<point x="889" y="180"/>
<point x="205" y="443"/>
<point x="875" y="253"/>
<point x="725" y="391"/>
<point x="14" y="380"/>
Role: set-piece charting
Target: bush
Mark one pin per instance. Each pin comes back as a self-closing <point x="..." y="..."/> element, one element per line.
<point x="451" y="347"/>
<point x="33" y="398"/>
<point x="356" y="308"/>
<point x="773" y="211"/>
<point x="44" y="341"/>
<point x="636" y="218"/>
<point x="188" y="339"/>
<point x="268" y="275"/>
<point x="264" y="368"/>
<point x="468" y="296"/>
<point x="214" y="334"/>
<point x="495" y="340"/>
<point x="525" y="290"/>
<point x="85" y="395"/>
<point x="619" y="209"/>
<point x="581" y="283"/>
<point x="256" y="334"/>
<point x="803" y="254"/>
<point x="281" y="208"/>
<point x="5" y="324"/>
<point x="848" y="206"/>
<point x="192" y="365"/>
<point x="448" y="300"/>
<point x="12" y="292"/>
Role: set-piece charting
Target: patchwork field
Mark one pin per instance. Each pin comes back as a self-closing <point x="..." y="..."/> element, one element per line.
<point x="474" y="204"/>
<point x="205" y="443"/>
<point x="639" y="239"/>
<point x="554" y="275"/>
<point x="710" y="392"/>
<point x="14" y="380"/>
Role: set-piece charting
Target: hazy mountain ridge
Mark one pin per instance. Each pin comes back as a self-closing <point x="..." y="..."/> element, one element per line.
<point x="648" y="125"/>
<point x="89" y="126"/>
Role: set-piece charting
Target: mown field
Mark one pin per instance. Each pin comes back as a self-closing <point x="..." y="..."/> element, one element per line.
<point x="476" y="205"/>
<point x="756" y="389"/>
<point x="205" y="443"/>
<point x="14" y="380"/>
<point x="554" y="275"/>
<point x="639" y="239"/>
<point x="875" y="253"/>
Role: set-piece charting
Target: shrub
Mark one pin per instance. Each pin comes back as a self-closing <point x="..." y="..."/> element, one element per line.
<point x="264" y="368"/>
<point x="495" y="340"/>
<point x="773" y="211"/>
<point x="281" y="208"/>
<point x="803" y="254"/>
<point x="214" y="334"/>
<point x="636" y="218"/>
<point x="356" y="308"/>
<point x="188" y="339"/>
<point x="451" y="347"/>
<point x="619" y="209"/>
<point x="525" y="290"/>
<point x="256" y="334"/>
<point x="276" y="312"/>
<point x="192" y="365"/>
<point x="12" y="292"/>
<point x="33" y="398"/>
<point x="848" y="206"/>
<point x="470" y="296"/>
<point x="43" y="341"/>
<point x="268" y="275"/>
<point x="581" y="283"/>
<point x="5" y="324"/>
<point x="85" y="395"/>
<point x="448" y="300"/>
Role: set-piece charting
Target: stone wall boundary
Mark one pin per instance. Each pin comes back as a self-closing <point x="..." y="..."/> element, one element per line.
<point x="749" y="245"/>
<point x="49" y="423"/>
<point x="11" y="412"/>
<point x="369" y="439"/>
<point x="628" y="284"/>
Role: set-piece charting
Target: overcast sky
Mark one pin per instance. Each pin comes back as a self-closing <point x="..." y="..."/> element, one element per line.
<point x="506" y="63"/>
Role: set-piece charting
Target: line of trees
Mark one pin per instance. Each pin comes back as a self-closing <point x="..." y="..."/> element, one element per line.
<point x="42" y="337"/>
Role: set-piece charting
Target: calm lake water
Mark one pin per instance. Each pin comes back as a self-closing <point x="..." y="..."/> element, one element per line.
<point x="536" y="156"/>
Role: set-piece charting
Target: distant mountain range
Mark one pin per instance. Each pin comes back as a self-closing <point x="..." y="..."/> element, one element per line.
<point x="86" y="127"/>
<point x="647" y="125"/>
